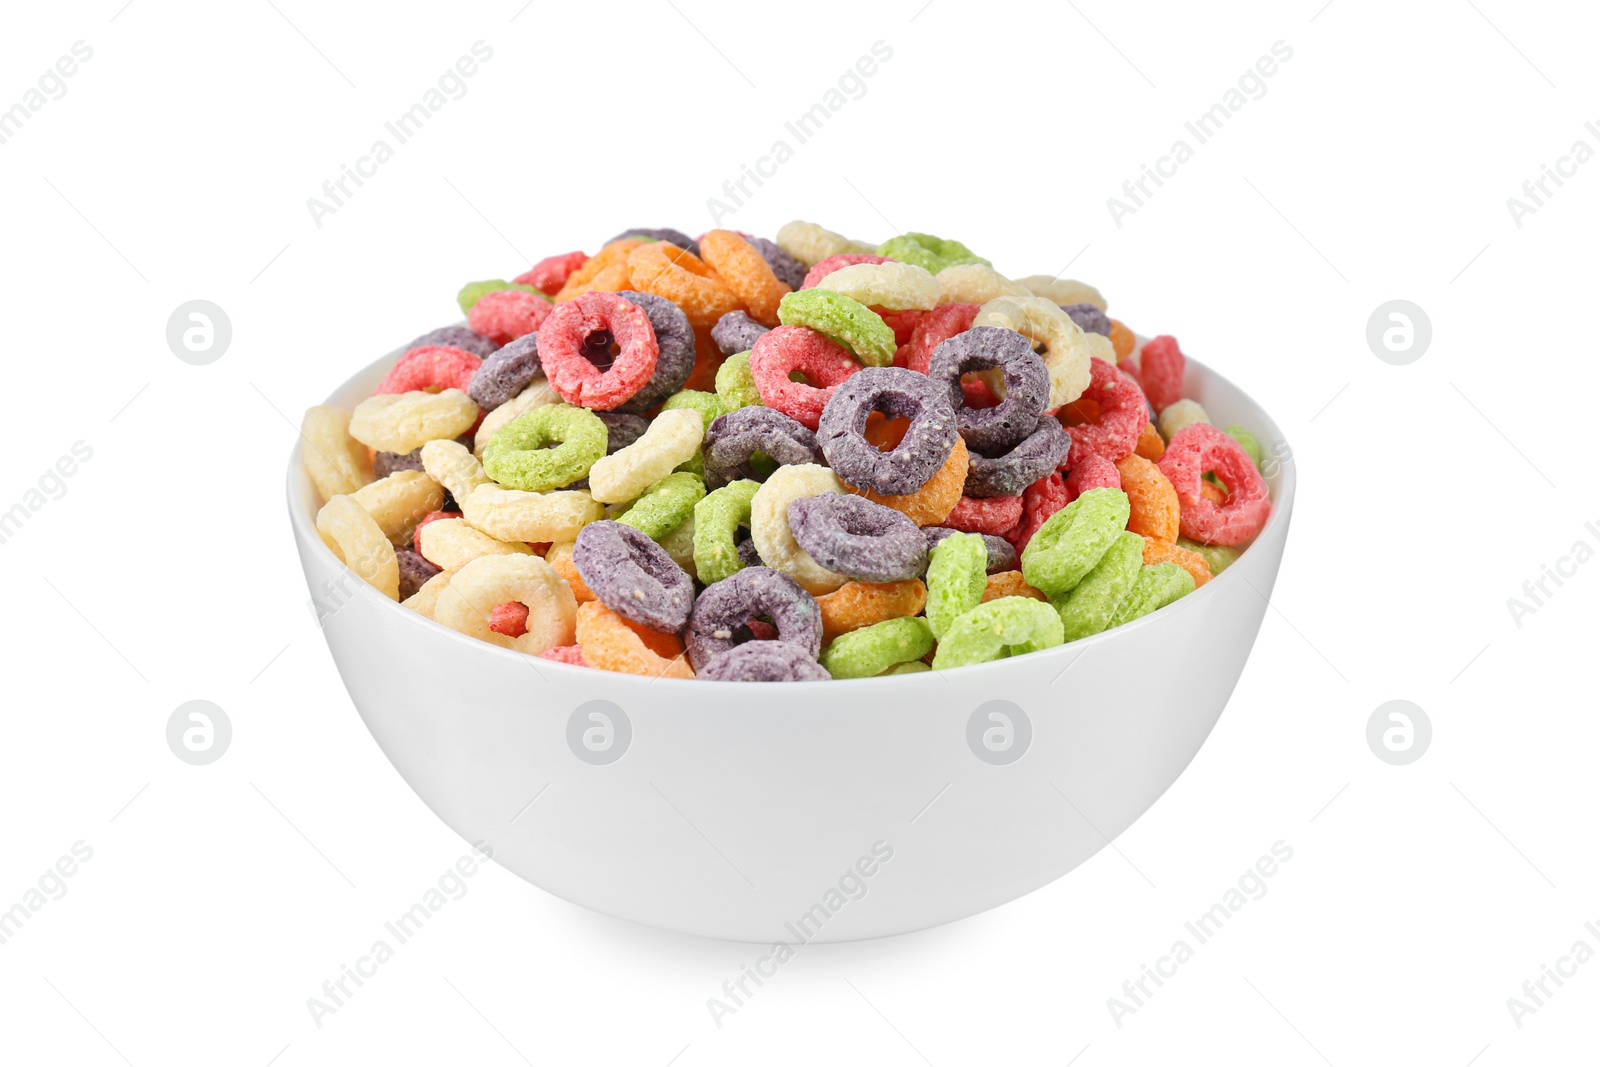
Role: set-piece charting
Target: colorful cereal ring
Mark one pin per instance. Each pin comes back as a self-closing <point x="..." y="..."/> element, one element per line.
<point x="1154" y="588"/>
<point x="1072" y="540"/>
<point x="742" y="268"/>
<point x="1090" y="605"/>
<point x="873" y="649"/>
<point x="1202" y="447"/>
<point x="521" y="455"/>
<point x="958" y="570"/>
<point x="1010" y="626"/>
<point x="507" y="314"/>
<point x="575" y="327"/>
<point x="430" y="368"/>
<point x="717" y="519"/>
<point x="789" y="349"/>
<point x="847" y="322"/>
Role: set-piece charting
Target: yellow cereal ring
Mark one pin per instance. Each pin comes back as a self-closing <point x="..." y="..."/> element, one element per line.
<point x="513" y="515"/>
<point x="400" y="422"/>
<point x="1063" y="290"/>
<point x="932" y="504"/>
<point x="537" y="394"/>
<point x="560" y="557"/>
<point x="467" y="604"/>
<point x="976" y="283"/>
<point x="452" y="466"/>
<point x="451" y="544"/>
<point x="333" y="459"/>
<point x="673" y="437"/>
<point x="360" y="543"/>
<point x="891" y="286"/>
<point x="399" y="501"/>
<point x="1009" y="583"/>
<point x="769" y="524"/>
<point x="1066" y="353"/>
<point x="811" y="244"/>
<point x="857" y="604"/>
<point x="611" y="645"/>
<point x="427" y="595"/>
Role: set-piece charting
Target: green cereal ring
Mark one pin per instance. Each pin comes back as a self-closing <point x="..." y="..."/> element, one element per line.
<point x="874" y="649"/>
<point x="1247" y="441"/>
<point x="916" y="666"/>
<point x="695" y="465"/>
<point x="841" y="320"/>
<point x="1072" y="540"/>
<point x="1008" y="626"/>
<point x="735" y="384"/>
<point x="1156" y="586"/>
<point x="958" y="571"/>
<point x="519" y="456"/>
<point x="470" y="292"/>
<point x="1218" y="557"/>
<point x="665" y="506"/>
<point x="717" y="519"/>
<point x="709" y="405"/>
<point x="932" y="254"/>
<point x="1093" y="602"/>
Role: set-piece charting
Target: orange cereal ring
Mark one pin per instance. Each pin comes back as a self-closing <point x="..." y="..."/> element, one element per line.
<point x="612" y="279"/>
<point x="1213" y="492"/>
<point x="1150" y="445"/>
<point x="1122" y="340"/>
<point x="669" y="272"/>
<point x="1152" y="501"/>
<point x="577" y="282"/>
<point x="744" y="270"/>
<point x="930" y="505"/>
<point x="707" y="361"/>
<point x="884" y="433"/>
<point x="610" y="644"/>
<point x="857" y="604"/>
<point x="560" y="558"/>
<point x="1167" y="552"/>
<point x="1009" y="583"/>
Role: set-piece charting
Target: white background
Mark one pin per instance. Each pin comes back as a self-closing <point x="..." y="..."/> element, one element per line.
<point x="1377" y="166"/>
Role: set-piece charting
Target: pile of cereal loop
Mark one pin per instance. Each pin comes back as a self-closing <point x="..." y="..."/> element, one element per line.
<point x="740" y="459"/>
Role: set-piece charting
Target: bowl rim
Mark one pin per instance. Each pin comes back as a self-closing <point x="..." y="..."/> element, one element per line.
<point x="303" y="521"/>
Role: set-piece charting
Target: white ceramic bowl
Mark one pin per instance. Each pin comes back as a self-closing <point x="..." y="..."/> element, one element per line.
<point x="753" y="812"/>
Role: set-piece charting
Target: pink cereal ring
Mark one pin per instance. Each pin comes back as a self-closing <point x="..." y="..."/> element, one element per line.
<point x="1161" y="371"/>
<point x="551" y="273"/>
<point x="1040" y="500"/>
<point x="780" y="352"/>
<point x="827" y="266"/>
<point x="510" y="619"/>
<point x="503" y="315"/>
<point x="903" y="323"/>
<point x="572" y="654"/>
<point x="1093" y="471"/>
<point x="935" y="328"/>
<point x="573" y="326"/>
<point x="985" y="515"/>
<point x="1192" y="452"/>
<point x="1115" y="432"/>
<point x="431" y="368"/>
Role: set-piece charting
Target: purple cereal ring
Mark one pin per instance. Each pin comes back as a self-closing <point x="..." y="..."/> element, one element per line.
<point x="1089" y="318"/>
<point x="1008" y="474"/>
<point x="1027" y="385"/>
<point x="666" y="233"/>
<point x="858" y="538"/>
<point x="674" y="362"/>
<point x="633" y="576"/>
<point x="896" y="392"/>
<point x="732" y="439"/>
<point x="763" y="661"/>
<point x="748" y="556"/>
<point x="749" y="594"/>
<point x="790" y="271"/>
<point x="1002" y="555"/>
<point x="736" y="332"/>
<point x="622" y="429"/>
<point x="414" y="570"/>
<point x="457" y="337"/>
<point x="506" y="372"/>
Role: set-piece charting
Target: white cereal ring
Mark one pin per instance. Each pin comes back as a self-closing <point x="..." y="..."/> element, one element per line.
<point x="976" y="283"/>
<point x="811" y="244"/>
<point x="537" y="394"/>
<point x="1063" y="290"/>
<point x="399" y="500"/>
<point x="467" y="603"/>
<point x="451" y="544"/>
<point x="1178" y="414"/>
<point x="1100" y="347"/>
<point x="452" y="466"/>
<point x="769" y="524"/>
<point x="400" y="422"/>
<point x="427" y="595"/>
<point x="334" y="460"/>
<point x="891" y="286"/>
<point x="358" y="541"/>
<point x="513" y="515"/>
<point x="1041" y="320"/>
<point x="673" y="438"/>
